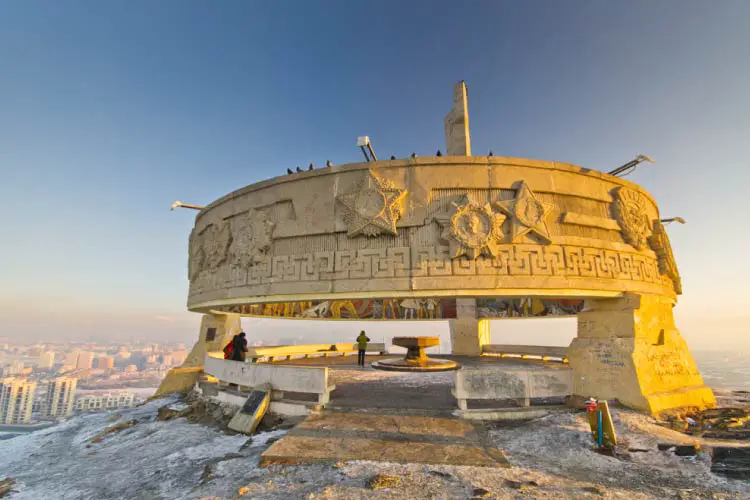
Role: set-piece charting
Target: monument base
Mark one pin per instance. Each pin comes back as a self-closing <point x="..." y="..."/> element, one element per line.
<point x="215" y="332"/>
<point x="629" y="350"/>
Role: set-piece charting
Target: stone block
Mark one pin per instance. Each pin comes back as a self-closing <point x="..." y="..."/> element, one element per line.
<point x="644" y="363"/>
<point x="248" y="417"/>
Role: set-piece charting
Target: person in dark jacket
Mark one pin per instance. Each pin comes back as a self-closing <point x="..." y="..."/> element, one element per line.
<point x="240" y="347"/>
<point x="362" y="341"/>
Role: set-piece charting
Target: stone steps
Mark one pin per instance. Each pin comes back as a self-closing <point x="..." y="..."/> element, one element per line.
<point x="341" y="436"/>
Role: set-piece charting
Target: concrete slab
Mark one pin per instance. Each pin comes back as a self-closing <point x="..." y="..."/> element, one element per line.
<point x="405" y="424"/>
<point x="246" y="420"/>
<point x="336" y="436"/>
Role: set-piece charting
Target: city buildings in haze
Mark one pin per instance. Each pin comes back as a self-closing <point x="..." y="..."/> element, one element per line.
<point x="46" y="360"/>
<point x="60" y="394"/>
<point x="16" y="399"/>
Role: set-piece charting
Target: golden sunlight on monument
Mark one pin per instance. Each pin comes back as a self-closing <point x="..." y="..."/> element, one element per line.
<point x="459" y="238"/>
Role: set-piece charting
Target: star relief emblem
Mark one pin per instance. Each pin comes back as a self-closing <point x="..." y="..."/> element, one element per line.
<point x="528" y="214"/>
<point x="471" y="229"/>
<point x="373" y="207"/>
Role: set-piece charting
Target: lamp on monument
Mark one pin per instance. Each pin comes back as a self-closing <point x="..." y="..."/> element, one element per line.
<point x="363" y="143"/>
<point x="679" y="220"/>
<point x="624" y="170"/>
<point x="178" y="204"/>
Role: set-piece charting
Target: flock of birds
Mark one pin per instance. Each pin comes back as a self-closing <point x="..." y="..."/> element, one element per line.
<point x="289" y="171"/>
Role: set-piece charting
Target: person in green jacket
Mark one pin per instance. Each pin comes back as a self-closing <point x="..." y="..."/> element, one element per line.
<point x="362" y="340"/>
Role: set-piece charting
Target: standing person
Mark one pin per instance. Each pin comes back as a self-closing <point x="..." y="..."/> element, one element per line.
<point x="362" y="340"/>
<point x="240" y="347"/>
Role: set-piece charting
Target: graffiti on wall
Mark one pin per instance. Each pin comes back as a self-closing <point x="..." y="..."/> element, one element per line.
<point x="526" y="307"/>
<point x="406" y="308"/>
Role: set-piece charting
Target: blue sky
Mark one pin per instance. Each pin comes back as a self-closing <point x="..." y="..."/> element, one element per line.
<point x="109" y="111"/>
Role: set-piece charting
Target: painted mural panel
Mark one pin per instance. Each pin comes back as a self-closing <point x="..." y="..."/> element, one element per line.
<point x="402" y="309"/>
<point x="527" y="307"/>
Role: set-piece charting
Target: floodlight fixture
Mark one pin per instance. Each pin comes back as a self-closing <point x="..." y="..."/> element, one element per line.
<point x="626" y="169"/>
<point x="178" y="204"/>
<point x="679" y="220"/>
<point x="363" y="143"/>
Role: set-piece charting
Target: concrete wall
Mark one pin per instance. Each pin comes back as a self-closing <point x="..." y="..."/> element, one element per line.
<point x="280" y="377"/>
<point x="513" y="383"/>
<point x="297" y="350"/>
<point x="300" y="237"/>
<point x="541" y="351"/>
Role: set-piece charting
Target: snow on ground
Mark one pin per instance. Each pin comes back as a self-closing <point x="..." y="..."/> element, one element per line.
<point x="560" y="444"/>
<point x="151" y="460"/>
<point x="551" y="458"/>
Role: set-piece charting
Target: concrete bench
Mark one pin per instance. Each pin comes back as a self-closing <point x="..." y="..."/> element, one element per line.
<point x="511" y="384"/>
<point x="545" y="353"/>
<point x="280" y="378"/>
<point x="273" y="353"/>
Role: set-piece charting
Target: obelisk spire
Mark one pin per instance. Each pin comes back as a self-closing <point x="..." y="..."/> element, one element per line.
<point x="457" y="138"/>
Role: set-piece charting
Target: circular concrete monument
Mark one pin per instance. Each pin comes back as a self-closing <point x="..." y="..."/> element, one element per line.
<point x="460" y="238"/>
<point x="416" y="360"/>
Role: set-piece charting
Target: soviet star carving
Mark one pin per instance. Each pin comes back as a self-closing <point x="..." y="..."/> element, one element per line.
<point x="527" y="214"/>
<point x="251" y="238"/>
<point x="659" y="242"/>
<point x="629" y="207"/>
<point x="471" y="229"/>
<point x="216" y="241"/>
<point x="373" y="207"/>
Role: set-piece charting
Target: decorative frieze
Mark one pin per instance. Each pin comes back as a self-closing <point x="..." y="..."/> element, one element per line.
<point x="384" y="263"/>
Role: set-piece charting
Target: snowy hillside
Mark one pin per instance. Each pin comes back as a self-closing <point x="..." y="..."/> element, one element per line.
<point x="152" y="459"/>
<point x="144" y="458"/>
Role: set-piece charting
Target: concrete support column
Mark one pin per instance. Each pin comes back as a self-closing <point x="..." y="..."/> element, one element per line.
<point x="215" y="332"/>
<point x="629" y="349"/>
<point x="466" y="338"/>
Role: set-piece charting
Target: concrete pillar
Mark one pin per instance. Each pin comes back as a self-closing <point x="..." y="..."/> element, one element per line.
<point x="629" y="349"/>
<point x="215" y="332"/>
<point x="466" y="336"/>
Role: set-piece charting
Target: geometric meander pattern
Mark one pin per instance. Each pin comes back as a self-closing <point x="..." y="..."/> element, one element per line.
<point x="406" y="262"/>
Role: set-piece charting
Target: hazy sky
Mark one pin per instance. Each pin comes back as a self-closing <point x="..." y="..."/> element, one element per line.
<point x="109" y="111"/>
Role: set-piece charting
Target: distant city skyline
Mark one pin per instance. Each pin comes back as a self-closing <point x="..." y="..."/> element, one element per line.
<point x="113" y="111"/>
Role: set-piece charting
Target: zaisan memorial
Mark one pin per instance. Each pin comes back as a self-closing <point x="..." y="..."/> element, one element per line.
<point x="455" y="237"/>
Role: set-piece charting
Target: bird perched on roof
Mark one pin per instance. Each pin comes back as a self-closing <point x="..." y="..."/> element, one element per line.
<point x="329" y="164"/>
<point x="310" y="167"/>
<point x="414" y="155"/>
<point x="299" y="169"/>
<point x="393" y="157"/>
<point x="289" y="171"/>
<point x="439" y="153"/>
<point x="491" y="153"/>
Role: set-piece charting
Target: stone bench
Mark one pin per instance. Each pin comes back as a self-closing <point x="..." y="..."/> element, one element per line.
<point x="280" y="378"/>
<point x="511" y="384"/>
<point x="285" y="353"/>
<point x="545" y="353"/>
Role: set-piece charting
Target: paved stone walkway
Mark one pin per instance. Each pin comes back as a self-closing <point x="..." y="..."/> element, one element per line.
<point x="340" y="436"/>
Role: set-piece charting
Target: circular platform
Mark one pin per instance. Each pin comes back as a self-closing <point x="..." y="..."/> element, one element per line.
<point x="407" y="230"/>
<point x="405" y="365"/>
<point x="416" y="360"/>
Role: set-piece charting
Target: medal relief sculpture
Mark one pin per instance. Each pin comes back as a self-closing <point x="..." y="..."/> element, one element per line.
<point x="528" y="215"/>
<point x="195" y="260"/>
<point x="471" y="229"/>
<point x="251" y="238"/>
<point x="629" y="209"/>
<point x="373" y="207"/>
<point x="659" y="242"/>
<point x="216" y="240"/>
